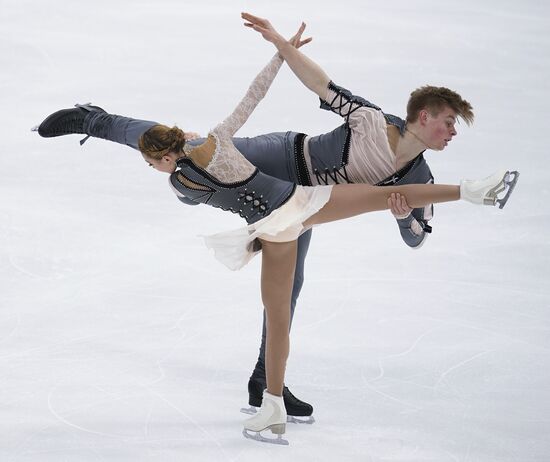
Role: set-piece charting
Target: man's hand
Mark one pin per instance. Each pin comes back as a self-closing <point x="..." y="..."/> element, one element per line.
<point x="264" y="27"/>
<point x="398" y="206"/>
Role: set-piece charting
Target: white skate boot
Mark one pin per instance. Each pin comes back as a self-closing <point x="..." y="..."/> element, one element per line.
<point x="271" y="416"/>
<point x="487" y="191"/>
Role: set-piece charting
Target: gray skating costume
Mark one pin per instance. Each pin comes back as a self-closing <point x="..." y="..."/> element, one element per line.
<point x="253" y="198"/>
<point x="283" y="155"/>
<point x="325" y="159"/>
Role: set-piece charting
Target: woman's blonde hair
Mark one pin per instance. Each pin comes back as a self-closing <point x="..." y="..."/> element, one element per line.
<point x="160" y="140"/>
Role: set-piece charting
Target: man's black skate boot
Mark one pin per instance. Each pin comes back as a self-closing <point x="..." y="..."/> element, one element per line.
<point x="294" y="406"/>
<point x="256" y="387"/>
<point x="66" y="121"/>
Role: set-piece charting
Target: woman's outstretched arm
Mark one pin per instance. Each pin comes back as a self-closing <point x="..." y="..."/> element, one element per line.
<point x="257" y="90"/>
<point x="309" y="72"/>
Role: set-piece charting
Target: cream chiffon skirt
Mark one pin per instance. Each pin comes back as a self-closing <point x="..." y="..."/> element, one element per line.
<point x="236" y="248"/>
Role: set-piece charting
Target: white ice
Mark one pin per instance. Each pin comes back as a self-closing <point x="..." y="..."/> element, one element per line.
<point x="123" y="339"/>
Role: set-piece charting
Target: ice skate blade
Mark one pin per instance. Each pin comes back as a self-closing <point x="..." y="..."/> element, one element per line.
<point x="506" y="186"/>
<point x="510" y="180"/>
<point x="308" y="420"/>
<point x="257" y="436"/>
<point x="249" y="410"/>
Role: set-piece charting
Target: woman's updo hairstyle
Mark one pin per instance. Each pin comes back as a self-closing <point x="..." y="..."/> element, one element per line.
<point x="160" y="140"/>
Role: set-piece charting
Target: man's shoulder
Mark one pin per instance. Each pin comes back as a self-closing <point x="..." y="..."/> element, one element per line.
<point x="396" y="121"/>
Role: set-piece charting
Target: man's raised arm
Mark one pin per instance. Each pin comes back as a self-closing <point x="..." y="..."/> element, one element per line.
<point x="309" y="72"/>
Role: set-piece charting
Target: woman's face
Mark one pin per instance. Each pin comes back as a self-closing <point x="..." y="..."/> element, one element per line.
<point x="166" y="164"/>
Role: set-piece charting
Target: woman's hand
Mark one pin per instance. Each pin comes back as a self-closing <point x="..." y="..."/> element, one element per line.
<point x="296" y="40"/>
<point x="264" y="27"/>
<point x="398" y="206"/>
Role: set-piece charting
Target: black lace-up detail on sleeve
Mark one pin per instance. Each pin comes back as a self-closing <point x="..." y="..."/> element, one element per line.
<point x="344" y="103"/>
<point x="343" y="106"/>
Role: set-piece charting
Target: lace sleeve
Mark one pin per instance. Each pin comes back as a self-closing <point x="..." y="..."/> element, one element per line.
<point x="254" y="95"/>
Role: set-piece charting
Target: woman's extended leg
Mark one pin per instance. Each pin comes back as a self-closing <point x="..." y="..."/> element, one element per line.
<point x="348" y="200"/>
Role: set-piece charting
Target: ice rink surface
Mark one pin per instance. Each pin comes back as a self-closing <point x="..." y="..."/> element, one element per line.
<point x="123" y="339"/>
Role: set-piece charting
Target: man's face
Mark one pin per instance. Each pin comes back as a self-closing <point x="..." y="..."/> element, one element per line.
<point x="439" y="130"/>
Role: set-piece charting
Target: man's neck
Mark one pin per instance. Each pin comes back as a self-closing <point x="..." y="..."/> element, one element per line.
<point x="408" y="146"/>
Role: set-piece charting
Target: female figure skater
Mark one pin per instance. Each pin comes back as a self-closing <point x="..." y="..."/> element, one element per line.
<point x="277" y="212"/>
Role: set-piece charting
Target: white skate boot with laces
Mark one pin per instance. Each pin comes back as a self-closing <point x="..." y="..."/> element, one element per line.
<point x="487" y="191"/>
